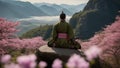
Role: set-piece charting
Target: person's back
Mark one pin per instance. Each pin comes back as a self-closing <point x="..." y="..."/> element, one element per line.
<point x="63" y="35"/>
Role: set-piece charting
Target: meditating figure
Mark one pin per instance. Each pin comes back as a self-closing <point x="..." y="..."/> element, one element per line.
<point x="63" y="35"/>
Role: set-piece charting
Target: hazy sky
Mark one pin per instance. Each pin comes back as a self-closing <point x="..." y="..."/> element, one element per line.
<point x="72" y="2"/>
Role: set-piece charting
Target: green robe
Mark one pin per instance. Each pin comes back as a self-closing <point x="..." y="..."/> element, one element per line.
<point x="63" y="27"/>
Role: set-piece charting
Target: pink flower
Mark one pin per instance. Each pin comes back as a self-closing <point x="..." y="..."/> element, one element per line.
<point x="6" y="59"/>
<point x="12" y="65"/>
<point x="33" y="64"/>
<point x="42" y="64"/>
<point x="32" y="57"/>
<point x="27" y="61"/>
<point x="92" y="52"/>
<point x="70" y="64"/>
<point x="76" y="61"/>
<point x="83" y="64"/>
<point x="57" y="63"/>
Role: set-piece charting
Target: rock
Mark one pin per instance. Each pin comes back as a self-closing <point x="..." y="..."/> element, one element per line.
<point x="51" y="53"/>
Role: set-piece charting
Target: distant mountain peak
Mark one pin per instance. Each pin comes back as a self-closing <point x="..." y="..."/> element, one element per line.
<point x="56" y="9"/>
<point x="19" y="9"/>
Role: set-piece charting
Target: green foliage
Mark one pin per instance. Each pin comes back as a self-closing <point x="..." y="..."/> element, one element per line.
<point x="44" y="31"/>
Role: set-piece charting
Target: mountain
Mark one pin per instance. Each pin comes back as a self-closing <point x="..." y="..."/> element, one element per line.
<point x="52" y="11"/>
<point x="68" y="9"/>
<point x="40" y="4"/>
<point x="96" y="15"/>
<point x="19" y="9"/>
<point x="60" y="9"/>
<point x="74" y="8"/>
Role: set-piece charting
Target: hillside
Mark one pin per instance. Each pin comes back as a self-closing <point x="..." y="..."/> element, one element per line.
<point x="18" y="9"/>
<point x="96" y="15"/>
<point x="44" y="31"/>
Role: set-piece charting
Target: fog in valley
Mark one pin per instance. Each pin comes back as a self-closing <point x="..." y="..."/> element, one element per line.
<point x="36" y="21"/>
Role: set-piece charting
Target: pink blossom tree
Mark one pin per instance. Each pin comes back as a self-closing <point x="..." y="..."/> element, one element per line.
<point x="10" y="43"/>
<point x="109" y="41"/>
<point x="7" y="28"/>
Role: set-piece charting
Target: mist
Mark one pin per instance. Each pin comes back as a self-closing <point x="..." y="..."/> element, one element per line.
<point x="27" y="24"/>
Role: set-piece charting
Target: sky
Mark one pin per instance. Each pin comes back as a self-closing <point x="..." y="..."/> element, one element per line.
<point x="71" y="2"/>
